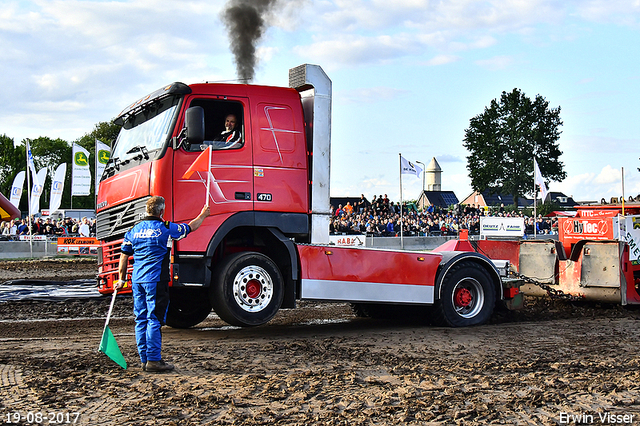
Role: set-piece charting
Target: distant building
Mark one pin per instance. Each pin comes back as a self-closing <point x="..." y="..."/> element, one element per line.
<point x="484" y="199"/>
<point x="562" y="200"/>
<point x="442" y="199"/>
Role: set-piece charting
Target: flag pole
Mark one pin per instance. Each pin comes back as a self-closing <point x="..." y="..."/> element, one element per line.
<point x="95" y="170"/>
<point x="72" y="165"/>
<point x="27" y="150"/>
<point x="208" y="179"/>
<point x="622" y="191"/>
<point x="401" y="202"/>
<point x="535" y="200"/>
<point x="113" y="300"/>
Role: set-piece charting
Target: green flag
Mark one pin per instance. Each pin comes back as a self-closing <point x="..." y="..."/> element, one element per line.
<point x="110" y="348"/>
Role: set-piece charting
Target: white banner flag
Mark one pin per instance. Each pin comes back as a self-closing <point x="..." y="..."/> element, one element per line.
<point x="80" y="173"/>
<point x="36" y="190"/>
<point x="408" y="168"/>
<point x="103" y="153"/>
<point x="16" y="188"/>
<point x="539" y="180"/>
<point x="57" y="186"/>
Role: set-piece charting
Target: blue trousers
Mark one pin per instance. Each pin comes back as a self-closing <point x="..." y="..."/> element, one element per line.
<point x="150" y="304"/>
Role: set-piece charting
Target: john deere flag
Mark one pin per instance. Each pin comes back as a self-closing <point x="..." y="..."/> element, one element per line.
<point x="80" y="174"/>
<point x="103" y="153"/>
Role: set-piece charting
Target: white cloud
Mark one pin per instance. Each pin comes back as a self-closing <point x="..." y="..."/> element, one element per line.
<point x="496" y="63"/>
<point x="443" y="59"/>
<point x="84" y="60"/>
<point x="605" y="184"/>
<point x="608" y="175"/>
<point x="349" y="32"/>
<point x="356" y="49"/>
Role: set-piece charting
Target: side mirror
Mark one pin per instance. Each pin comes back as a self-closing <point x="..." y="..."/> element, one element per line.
<point x="194" y="123"/>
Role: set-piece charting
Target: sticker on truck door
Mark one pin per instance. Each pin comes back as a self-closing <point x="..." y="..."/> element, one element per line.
<point x="263" y="197"/>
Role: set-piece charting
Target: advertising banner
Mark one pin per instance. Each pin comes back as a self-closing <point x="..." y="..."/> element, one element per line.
<point x="16" y="188"/>
<point x="36" y="190"/>
<point x="348" y="240"/>
<point x="78" y="246"/>
<point x="501" y="226"/>
<point x="630" y="232"/>
<point x="573" y="229"/>
<point x="57" y="186"/>
<point x="80" y="174"/>
<point x="103" y="153"/>
<point x="408" y="168"/>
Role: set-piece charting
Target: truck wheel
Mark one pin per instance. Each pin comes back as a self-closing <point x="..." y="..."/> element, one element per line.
<point x="247" y="289"/>
<point x="187" y="308"/>
<point x="467" y="297"/>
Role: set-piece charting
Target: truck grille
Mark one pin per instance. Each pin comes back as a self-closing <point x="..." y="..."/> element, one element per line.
<point x="115" y="222"/>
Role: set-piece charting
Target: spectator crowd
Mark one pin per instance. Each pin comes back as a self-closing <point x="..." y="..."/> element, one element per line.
<point x="381" y="217"/>
<point x="48" y="226"/>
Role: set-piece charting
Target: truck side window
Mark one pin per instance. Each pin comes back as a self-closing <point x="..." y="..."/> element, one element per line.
<point x="223" y="124"/>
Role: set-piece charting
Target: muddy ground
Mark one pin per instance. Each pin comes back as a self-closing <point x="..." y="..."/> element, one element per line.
<point x="318" y="364"/>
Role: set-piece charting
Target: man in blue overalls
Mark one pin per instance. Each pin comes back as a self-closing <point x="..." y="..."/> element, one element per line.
<point x="149" y="242"/>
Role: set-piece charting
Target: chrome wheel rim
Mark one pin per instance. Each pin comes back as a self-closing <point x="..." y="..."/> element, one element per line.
<point x="253" y="288"/>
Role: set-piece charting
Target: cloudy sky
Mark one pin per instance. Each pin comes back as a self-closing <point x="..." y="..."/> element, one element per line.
<point x="408" y="75"/>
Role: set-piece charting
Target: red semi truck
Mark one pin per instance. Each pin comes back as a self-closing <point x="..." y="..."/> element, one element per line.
<point x="265" y="245"/>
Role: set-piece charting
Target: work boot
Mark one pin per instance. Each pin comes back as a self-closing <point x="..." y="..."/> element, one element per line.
<point x="158" y="366"/>
<point x="144" y="366"/>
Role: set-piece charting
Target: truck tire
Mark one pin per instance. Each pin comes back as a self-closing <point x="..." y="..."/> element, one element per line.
<point x="467" y="297"/>
<point x="187" y="307"/>
<point x="247" y="289"/>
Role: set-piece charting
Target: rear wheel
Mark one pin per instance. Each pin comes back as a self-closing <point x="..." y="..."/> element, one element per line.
<point x="247" y="289"/>
<point x="467" y="297"/>
<point x="187" y="307"/>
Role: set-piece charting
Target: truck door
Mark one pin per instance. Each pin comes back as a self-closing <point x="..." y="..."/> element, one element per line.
<point x="280" y="156"/>
<point x="231" y="172"/>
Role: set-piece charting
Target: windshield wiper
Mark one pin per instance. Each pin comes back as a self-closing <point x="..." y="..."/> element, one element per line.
<point x="139" y="148"/>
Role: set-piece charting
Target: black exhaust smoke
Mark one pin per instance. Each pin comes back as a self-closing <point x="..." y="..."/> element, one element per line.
<point x="245" y="23"/>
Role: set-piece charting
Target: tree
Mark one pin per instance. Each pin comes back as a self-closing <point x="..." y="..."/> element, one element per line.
<point x="13" y="160"/>
<point x="504" y="140"/>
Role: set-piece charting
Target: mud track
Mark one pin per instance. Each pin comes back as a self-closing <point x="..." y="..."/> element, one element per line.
<point x="319" y="364"/>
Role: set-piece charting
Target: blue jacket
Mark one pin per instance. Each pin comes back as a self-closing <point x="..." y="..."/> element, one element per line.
<point x="149" y="241"/>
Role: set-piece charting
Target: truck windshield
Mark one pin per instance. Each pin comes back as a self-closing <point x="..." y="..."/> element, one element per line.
<point x="147" y="131"/>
